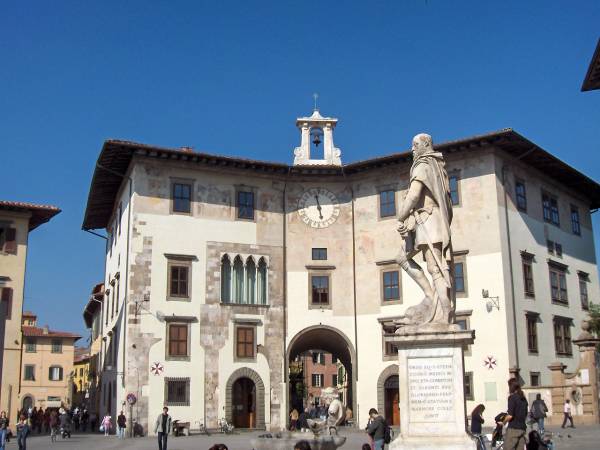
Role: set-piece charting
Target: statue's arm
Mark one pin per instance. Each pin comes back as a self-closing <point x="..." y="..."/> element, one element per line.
<point x="411" y="199"/>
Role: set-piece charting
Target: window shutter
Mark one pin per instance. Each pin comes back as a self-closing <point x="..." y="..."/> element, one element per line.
<point x="7" y="294"/>
<point x="10" y="245"/>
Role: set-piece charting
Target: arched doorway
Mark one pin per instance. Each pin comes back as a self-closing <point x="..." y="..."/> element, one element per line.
<point x="391" y="400"/>
<point x="320" y="357"/>
<point x="243" y="403"/>
<point x="27" y="402"/>
<point x="245" y="399"/>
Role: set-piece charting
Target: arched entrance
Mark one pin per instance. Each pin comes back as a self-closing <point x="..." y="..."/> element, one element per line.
<point x="319" y="357"/>
<point x="388" y="395"/>
<point x="243" y="403"/>
<point x="245" y="399"/>
<point x="27" y="402"/>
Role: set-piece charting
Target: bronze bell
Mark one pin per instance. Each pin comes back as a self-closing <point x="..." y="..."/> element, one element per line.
<point x="316" y="133"/>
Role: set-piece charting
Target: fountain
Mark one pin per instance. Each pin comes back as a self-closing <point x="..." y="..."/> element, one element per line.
<point x="324" y="431"/>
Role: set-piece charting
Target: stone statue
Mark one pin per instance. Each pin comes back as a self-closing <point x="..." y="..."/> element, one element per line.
<point x="424" y="222"/>
<point x="336" y="413"/>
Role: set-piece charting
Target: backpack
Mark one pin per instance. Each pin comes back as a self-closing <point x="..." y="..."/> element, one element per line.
<point x="388" y="434"/>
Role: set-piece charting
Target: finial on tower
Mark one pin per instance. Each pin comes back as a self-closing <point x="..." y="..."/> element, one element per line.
<point x="315" y="97"/>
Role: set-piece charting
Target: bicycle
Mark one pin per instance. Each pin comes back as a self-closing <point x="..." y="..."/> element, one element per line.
<point x="202" y="428"/>
<point x="480" y="439"/>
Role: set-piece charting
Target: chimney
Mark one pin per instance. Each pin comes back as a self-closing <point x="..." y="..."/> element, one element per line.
<point x="46" y="329"/>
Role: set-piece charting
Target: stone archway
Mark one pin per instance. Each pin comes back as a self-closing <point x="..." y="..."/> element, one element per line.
<point x="27" y="402"/>
<point x="386" y="373"/>
<point x="246" y="372"/>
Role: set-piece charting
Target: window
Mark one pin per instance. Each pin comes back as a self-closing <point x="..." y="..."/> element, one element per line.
<point x="391" y="349"/>
<point x="8" y="239"/>
<point x="469" y="395"/>
<point x="178" y="283"/>
<point x="245" y="205"/>
<point x="318" y="358"/>
<point x="225" y="279"/>
<point x="391" y="285"/>
<point x="178" y="340"/>
<point x="117" y="296"/>
<point x="320" y="289"/>
<point x="261" y="283"/>
<point x="463" y="322"/>
<point x="583" y="290"/>
<point x="534" y="379"/>
<point x="334" y="380"/>
<point x="81" y="372"/>
<point x="532" y="340"/>
<point x="562" y="336"/>
<point x="317" y="401"/>
<point x="550" y="246"/>
<point x="244" y="283"/>
<point x="182" y="198"/>
<point x="521" y="196"/>
<point x="6" y="299"/>
<point x="55" y="373"/>
<point x="105" y="305"/>
<point x="459" y="277"/>
<point x="245" y="342"/>
<point x="30" y="345"/>
<point x="387" y="203"/>
<point x="119" y="216"/>
<point x="317" y="380"/>
<point x="29" y="374"/>
<point x="558" y="285"/>
<point x="177" y="391"/>
<point x="56" y="346"/>
<point x="575" y="224"/>
<point x="558" y="249"/>
<point x="250" y="287"/>
<point x="528" y="276"/>
<point x="454" y="194"/>
<point x="550" y="209"/>
<point x="112" y="300"/>
<point x="319" y="254"/>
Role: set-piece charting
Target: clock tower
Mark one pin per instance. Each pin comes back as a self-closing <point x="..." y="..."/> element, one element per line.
<point x="316" y="128"/>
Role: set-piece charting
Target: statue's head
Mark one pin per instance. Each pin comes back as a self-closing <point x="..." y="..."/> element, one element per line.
<point x="421" y="144"/>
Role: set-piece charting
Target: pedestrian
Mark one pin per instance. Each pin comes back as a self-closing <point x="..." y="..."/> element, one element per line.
<point x="302" y="423"/>
<point x="302" y="445"/>
<point x="3" y="429"/>
<point x="567" y="414"/>
<point x="106" y="424"/>
<point x="121" y="425"/>
<point x="163" y="428"/>
<point x="85" y="418"/>
<point x="53" y="426"/>
<point x="497" y="433"/>
<point x="538" y="412"/>
<point x="22" y="432"/>
<point x="476" y="423"/>
<point x="293" y="419"/>
<point x="93" y="421"/>
<point x="376" y="429"/>
<point x="516" y="417"/>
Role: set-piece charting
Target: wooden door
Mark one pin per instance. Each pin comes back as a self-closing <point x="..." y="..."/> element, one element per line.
<point x="244" y="403"/>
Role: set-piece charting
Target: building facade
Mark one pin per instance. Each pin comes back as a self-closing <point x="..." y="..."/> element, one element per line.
<point x="92" y="316"/>
<point x="17" y="219"/>
<point x="47" y="366"/>
<point x="221" y="271"/>
<point x="80" y="377"/>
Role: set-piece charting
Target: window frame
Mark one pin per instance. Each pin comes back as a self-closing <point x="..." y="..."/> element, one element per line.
<point x="550" y="212"/>
<point x="316" y="252"/>
<point x="30" y="345"/>
<point x="182" y="182"/>
<point x="561" y="275"/>
<point x="392" y="300"/>
<point x="319" y="274"/>
<point x="182" y="264"/>
<point x="56" y="344"/>
<point x="320" y="377"/>
<point x="531" y="321"/>
<point x="457" y="177"/>
<point x="539" y="379"/>
<point x="245" y="190"/>
<point x="32" y="367"/>
<point x="60" y="373"/>
<point x="186" y="400"/>
<point x="175" y="357"/>
<point x="527" y="262"/>
<point x="575" y="223"/>
<point x="520" y="196"/>
<point x="381" y="203"/>
<point x="460" y="258"/>
<point x="466" y="316"/>
<point x="471" y="394"/>
<point x="236" y="355"/>
<point x="563" y="342"/>
<point x="583" y="279"/>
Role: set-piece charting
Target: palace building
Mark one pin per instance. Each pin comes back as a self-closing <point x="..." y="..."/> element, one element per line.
<point x="222" y="271"/>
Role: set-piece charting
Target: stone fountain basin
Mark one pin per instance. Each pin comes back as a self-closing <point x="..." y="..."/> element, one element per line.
<point x="287" y="440"/>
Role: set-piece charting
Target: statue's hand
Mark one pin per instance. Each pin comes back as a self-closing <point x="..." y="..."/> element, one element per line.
<point x="402" y="229"/>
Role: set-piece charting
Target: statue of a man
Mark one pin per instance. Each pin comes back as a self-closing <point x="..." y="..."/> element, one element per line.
<point x="424" y="223"/>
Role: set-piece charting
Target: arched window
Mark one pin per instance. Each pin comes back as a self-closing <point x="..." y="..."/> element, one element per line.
<point x="225" y="279"/>
<point x="250" y="281"/>
<point x="262" y="282"/>
<point x="238" y="281"/>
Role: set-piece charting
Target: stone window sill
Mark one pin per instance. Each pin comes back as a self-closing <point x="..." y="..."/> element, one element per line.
<point x="252" y="305"/>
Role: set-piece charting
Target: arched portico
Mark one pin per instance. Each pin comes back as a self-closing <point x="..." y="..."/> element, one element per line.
<point x="259" y="394"/>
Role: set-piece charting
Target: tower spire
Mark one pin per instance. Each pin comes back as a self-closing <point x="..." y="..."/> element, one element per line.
<point x="315" y="97"/>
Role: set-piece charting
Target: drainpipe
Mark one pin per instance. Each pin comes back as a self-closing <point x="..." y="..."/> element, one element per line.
<point x="285" y="355"/>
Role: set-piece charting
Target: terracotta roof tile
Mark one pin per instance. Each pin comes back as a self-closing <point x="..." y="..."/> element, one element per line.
<point x="39" y="213"/>
<point x="39" y="332"/>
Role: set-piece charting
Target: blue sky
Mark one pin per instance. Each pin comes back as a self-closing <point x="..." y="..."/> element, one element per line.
<point x="231" y="77"/>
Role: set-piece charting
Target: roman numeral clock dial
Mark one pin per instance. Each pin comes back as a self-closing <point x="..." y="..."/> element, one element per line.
<point x="318" y="207"/>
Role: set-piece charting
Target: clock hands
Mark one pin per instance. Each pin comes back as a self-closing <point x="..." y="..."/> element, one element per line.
<point x="319" y="207"/>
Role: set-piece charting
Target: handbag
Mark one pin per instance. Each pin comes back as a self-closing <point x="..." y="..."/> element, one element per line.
<point x="101" y="428"/>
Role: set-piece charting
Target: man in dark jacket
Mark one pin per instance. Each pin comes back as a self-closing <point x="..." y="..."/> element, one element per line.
<point x="376" y="428"/>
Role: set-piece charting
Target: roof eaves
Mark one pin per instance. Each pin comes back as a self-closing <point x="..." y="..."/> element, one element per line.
<point x="592" y="77"/>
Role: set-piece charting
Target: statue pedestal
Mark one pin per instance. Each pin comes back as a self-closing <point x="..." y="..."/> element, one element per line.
<point x="432" y="398"/>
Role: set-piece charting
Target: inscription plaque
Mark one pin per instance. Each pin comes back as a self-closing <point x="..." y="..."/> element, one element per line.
<point x="431" y="389"/>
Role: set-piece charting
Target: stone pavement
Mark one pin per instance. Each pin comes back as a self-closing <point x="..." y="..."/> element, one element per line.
<point x="581" y="438"/>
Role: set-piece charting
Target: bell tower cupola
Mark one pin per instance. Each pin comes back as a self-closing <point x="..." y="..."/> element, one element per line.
<point x="316" y="129"/>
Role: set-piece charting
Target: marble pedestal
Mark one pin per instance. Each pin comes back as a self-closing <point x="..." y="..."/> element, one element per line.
<point x="432" y="399"/>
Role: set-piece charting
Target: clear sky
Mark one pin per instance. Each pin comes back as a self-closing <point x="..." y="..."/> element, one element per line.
<point x="231" y="77"/>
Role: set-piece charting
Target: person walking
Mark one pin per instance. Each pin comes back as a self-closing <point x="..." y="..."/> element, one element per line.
<point x="567" y="414"/>
<point x="3" y="429"/>
<point x="53" y="426"/>
<point x="516" y="417"/>
<point x="121" y="425"/>
<point x="293" y="419"/>
<point x="538" y="412"/>
<point x="106" y="424"/>
<point x="163" y="428"/>
<point x="376" y="429"/>
<point x="22" y="432"/>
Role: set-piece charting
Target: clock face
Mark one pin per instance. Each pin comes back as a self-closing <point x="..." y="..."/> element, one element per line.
<point x="318" y="207"/>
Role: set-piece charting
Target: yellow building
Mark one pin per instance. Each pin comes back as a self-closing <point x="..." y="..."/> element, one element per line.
<point x="48" y="357"/>
<point x="17" y="219"/>
<point x="92" y="316"/>
<point x="80" y="376"/>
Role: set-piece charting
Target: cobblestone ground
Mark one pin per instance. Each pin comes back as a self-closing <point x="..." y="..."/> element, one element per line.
<point x="582" y="438"/>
